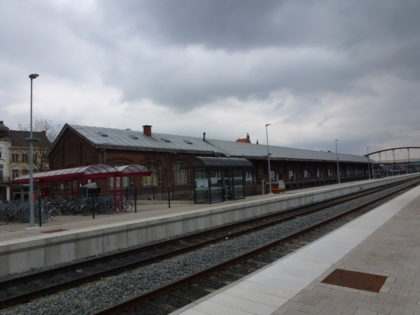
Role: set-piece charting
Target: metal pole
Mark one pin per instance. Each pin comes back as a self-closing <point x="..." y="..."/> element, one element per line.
<point x="367" y="150"/>
<point x="408" y="158"/>
<point x="31" y="165"/>
<point x="338" y="168"/>
<point x="373" y="170"/>
<point x="268" y="160"/>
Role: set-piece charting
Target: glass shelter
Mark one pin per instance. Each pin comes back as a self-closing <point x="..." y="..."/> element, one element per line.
<point x="217" y="179"/>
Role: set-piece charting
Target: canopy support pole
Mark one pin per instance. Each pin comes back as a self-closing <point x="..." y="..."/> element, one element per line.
<point x="78" y="188"/>
<point x="115" y="196"/>
<point x="121" y="194"/>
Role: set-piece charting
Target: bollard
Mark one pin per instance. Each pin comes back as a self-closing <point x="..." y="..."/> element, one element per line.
<point x="169" y="198"/>
<point x="135" y="200"/>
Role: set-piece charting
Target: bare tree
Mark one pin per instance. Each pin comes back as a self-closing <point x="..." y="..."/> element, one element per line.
<point x="43" y="124"/>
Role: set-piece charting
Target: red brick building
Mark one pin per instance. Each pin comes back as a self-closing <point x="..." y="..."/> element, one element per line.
<point x="164" y="155"/>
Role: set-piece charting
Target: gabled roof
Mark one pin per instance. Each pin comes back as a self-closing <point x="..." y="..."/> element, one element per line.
<point x="125" y="139"/>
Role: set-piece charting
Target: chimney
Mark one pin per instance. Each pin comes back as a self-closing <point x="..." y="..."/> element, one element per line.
<point x="204" y="136"/>
<point x="1" y="123"/>
<point x="147" y="130"/>
<point x="248" y="140"/>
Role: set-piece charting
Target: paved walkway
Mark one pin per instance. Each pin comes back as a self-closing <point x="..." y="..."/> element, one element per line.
<point x="145" y="210"/>
<point x="384" y="242"/>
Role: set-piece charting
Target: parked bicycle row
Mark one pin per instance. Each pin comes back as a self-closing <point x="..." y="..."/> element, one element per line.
<point x="18" y="211"/>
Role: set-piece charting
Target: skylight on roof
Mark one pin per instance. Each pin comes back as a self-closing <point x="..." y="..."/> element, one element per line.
<point x="187" y="141"/>
<point x="102" y="134"/>
<point x="166" y="140"/>
<point x="134" y="137"/>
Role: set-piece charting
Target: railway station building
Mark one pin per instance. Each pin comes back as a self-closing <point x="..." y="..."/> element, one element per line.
<point x="199" y="168"/>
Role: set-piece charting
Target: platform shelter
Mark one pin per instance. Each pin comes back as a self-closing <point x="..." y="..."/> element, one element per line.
<point x="76" y="175"/>
<point x="217" y="179"/>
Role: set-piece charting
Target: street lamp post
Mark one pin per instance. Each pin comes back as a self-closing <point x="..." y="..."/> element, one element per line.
<point x="268" y="160"/>
<point x="31" y="139"/>
<point x="368" y="161"/>
<point x="338" y="167"/>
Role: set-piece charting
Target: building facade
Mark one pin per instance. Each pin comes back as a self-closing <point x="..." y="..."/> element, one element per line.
<point x="164" y="155"/>
<point x="14" y="160"/>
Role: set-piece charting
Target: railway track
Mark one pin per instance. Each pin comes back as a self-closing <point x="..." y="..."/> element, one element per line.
<point x="179" y="293"/>
<point x="20" y="290"/>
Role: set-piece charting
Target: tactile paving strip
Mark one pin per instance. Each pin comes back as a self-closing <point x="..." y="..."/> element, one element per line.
<point x="355" y="280"/>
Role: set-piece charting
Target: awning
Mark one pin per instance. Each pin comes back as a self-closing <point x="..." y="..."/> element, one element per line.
<point x="94" y="171"/>
<point x="133" y="170"/>
<point x="216" y="162"/>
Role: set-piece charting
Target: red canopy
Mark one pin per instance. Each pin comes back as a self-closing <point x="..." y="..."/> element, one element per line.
<point x="133" y="170"/>
<point x="84" y="172"/>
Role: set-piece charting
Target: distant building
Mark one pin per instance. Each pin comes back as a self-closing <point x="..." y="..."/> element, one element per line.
<point x="14" y="159"/>
<point x="165" y="156"/>
<point x="244" y="140"/>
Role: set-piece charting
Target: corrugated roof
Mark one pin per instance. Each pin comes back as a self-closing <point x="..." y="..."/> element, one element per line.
<point x="260" y="151"/>
<point x="101" y="136"/>
<point x="136" y="140"/>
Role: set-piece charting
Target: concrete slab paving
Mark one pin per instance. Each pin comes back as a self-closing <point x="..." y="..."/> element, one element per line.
<point x="384" y="241"/>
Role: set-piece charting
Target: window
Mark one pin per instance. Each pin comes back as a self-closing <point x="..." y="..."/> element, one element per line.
<point x="35" y="157"/>
<point x="15" y="173"/>
<point x="24" y="158"/>
<point x="125" y="179"/>
<point x="25" y="172"/>
<point x="153" y="179"/>
<point x="1" y="172"/>
<point x="15" y="157"/>
<point x="180" y="175"/>
<point x="1" y="149"/>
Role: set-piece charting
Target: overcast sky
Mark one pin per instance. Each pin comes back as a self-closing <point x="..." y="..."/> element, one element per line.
<point x="315" y="70"/>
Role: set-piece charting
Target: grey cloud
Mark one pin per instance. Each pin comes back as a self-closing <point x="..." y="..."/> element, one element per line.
<point x="189" y="53"/>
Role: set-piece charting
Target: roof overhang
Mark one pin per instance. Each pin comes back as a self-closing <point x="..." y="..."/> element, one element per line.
<point x="94" y="171"/>
<point x="216" y="162"/>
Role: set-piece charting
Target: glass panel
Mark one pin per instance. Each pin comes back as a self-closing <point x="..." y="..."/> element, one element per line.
<point x="215" y="185"/>
<point x="201" y="186"/>
<point x="238" y="184"/>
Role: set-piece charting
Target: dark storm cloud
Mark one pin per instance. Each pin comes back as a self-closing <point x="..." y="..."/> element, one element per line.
<point x="252" y="48"/>
<point x="246" y="24"/>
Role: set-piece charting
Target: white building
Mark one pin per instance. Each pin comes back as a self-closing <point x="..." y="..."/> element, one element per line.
<point x="5" y="143"/>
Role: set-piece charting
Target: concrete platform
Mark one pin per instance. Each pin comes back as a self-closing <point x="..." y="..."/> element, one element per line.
<point x="79" y="237"/>
<point x="384" y="242"/>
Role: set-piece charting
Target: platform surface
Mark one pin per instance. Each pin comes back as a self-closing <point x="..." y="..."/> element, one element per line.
<point x="385" y="241"/>
<point x="147" y="210"/>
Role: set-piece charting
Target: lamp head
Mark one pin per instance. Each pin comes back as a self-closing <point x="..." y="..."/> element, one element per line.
<point x="267" y="125"/>
<point x="33" y="76"/>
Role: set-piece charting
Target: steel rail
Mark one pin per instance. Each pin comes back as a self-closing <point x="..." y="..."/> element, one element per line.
<point x="81" y="277"/>
<point x="143" y="298"/>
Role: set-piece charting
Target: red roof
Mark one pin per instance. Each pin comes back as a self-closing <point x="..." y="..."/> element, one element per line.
<point x="84" y="172"/>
